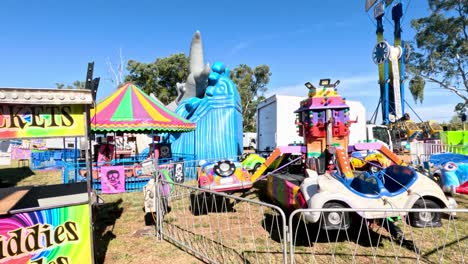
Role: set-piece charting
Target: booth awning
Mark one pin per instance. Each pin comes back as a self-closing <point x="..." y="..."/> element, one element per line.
<point x="130" y="109"/>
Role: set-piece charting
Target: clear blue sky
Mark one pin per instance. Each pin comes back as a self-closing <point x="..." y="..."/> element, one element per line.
<point x="47" y="42"/>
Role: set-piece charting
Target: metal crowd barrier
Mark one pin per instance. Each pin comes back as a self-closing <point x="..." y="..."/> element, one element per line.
<point x="386" y="240"/>
<point x="240" y="228"/>
<point x="220" y="228"/>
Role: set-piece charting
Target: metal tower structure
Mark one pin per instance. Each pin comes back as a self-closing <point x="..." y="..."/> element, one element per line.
<point x="390" y="60"/>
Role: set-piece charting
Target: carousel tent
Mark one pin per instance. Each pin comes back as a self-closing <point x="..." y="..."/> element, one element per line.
<point x="129" y="109"/>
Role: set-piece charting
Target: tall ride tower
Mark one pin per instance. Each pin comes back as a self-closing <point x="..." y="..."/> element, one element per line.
<point x="390" y="60"/>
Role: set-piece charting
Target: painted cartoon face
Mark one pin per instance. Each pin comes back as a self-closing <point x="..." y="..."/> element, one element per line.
<point x="113" y="177"/>
<point x="165" y="151"/>
<point x="450" y="166"/>
<point x="178" y="169"/>
<point x="179" y="172"/>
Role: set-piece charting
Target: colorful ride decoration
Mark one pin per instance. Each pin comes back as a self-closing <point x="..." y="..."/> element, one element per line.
<point x="223" y="176"/>
<point x="323" y="119"/>
<point x="218" y="117"/>
<point x="373" y="159"/>
<point x="328" y="179"/>
<point x="286" y="192"/>
<point x="451" y="171"/>
<point x="129" y="109"/>
<point x="252" y="162"/>
<point x="379" y="156"/>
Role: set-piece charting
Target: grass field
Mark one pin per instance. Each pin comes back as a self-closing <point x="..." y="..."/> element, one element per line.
<point x="121" y="235"/>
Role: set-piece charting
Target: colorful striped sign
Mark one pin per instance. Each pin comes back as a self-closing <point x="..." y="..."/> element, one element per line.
<point x="57" y="235"/>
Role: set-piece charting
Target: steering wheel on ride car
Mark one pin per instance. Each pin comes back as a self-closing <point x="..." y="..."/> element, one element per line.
<point x="378" y="175"/>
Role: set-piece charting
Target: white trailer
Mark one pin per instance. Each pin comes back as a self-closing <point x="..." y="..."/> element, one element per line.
<point x="361" y="131"/>
<point x="276" y="123"/>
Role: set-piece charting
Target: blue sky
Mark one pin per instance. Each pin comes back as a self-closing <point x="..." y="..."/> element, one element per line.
<point x="47" y="42"/>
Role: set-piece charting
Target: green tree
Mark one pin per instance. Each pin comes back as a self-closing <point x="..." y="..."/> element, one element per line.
<point x="251" y="84"/>
<point x="159" y="77"/>
<point x="75" y="85"/>
<point x="454" y="124"/>
<point x="442" y="54"/>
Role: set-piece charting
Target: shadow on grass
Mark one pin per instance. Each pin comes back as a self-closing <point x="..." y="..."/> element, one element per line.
<point x="260" y="191"/>
<point x="9" y="177"/>
<point x="105" y="216"/>
<point x="204" y="203"/>
<point x="309" y="234"/>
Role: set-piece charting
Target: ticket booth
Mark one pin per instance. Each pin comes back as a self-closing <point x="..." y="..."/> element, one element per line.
<point x="51" y="223"/>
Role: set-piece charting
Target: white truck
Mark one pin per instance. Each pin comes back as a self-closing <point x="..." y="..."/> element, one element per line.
<point x="249" y="140"/>
<point x="275" y="122"/>
<point x="276" y="127"/>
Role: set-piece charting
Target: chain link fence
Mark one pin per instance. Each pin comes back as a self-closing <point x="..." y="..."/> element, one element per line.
<point x="220" y="228"/>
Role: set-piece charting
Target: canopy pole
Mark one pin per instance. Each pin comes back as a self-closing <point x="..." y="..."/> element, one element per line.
<point x="115" y="147"/>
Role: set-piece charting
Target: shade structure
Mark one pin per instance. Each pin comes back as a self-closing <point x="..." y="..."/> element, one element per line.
<point x="130" y="109"/>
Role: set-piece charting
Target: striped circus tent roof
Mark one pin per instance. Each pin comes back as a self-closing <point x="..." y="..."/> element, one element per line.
<point x="130" y="109"/>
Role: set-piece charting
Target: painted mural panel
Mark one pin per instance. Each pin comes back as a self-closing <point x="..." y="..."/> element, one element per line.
<point x="57" y="235"/>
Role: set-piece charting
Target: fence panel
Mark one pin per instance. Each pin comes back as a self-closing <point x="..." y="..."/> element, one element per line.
<point x="387" y="240"/>
<point x="431" y="148"/>
<point x="421" y="152"/>
<point x="221" y="228"/>
<point x="52" y="159"/>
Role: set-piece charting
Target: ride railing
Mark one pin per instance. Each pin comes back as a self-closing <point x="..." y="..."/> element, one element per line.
<point x="220" y="228"/>
<point x="442" y="148"/>
<point x="383" y="240"/>
<point x="76" y="171"/>
<point x="134" y="178"/>
<point x="421" y="152"/>
<point x="52" y="159"/>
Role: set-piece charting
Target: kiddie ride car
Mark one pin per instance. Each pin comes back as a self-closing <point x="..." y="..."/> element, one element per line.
<point x="393" y="187"/>
<point x="223" y="176"/>
<point x="252" y="161"/>
<point x="328" y="180"/>
<point x="230" y="176"/>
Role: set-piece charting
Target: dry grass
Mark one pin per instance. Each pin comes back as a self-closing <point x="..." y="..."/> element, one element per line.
<point x="120" y="223"/>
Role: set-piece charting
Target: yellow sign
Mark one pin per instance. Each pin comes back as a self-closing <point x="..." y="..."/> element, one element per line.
<point x="41" y="121"/>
